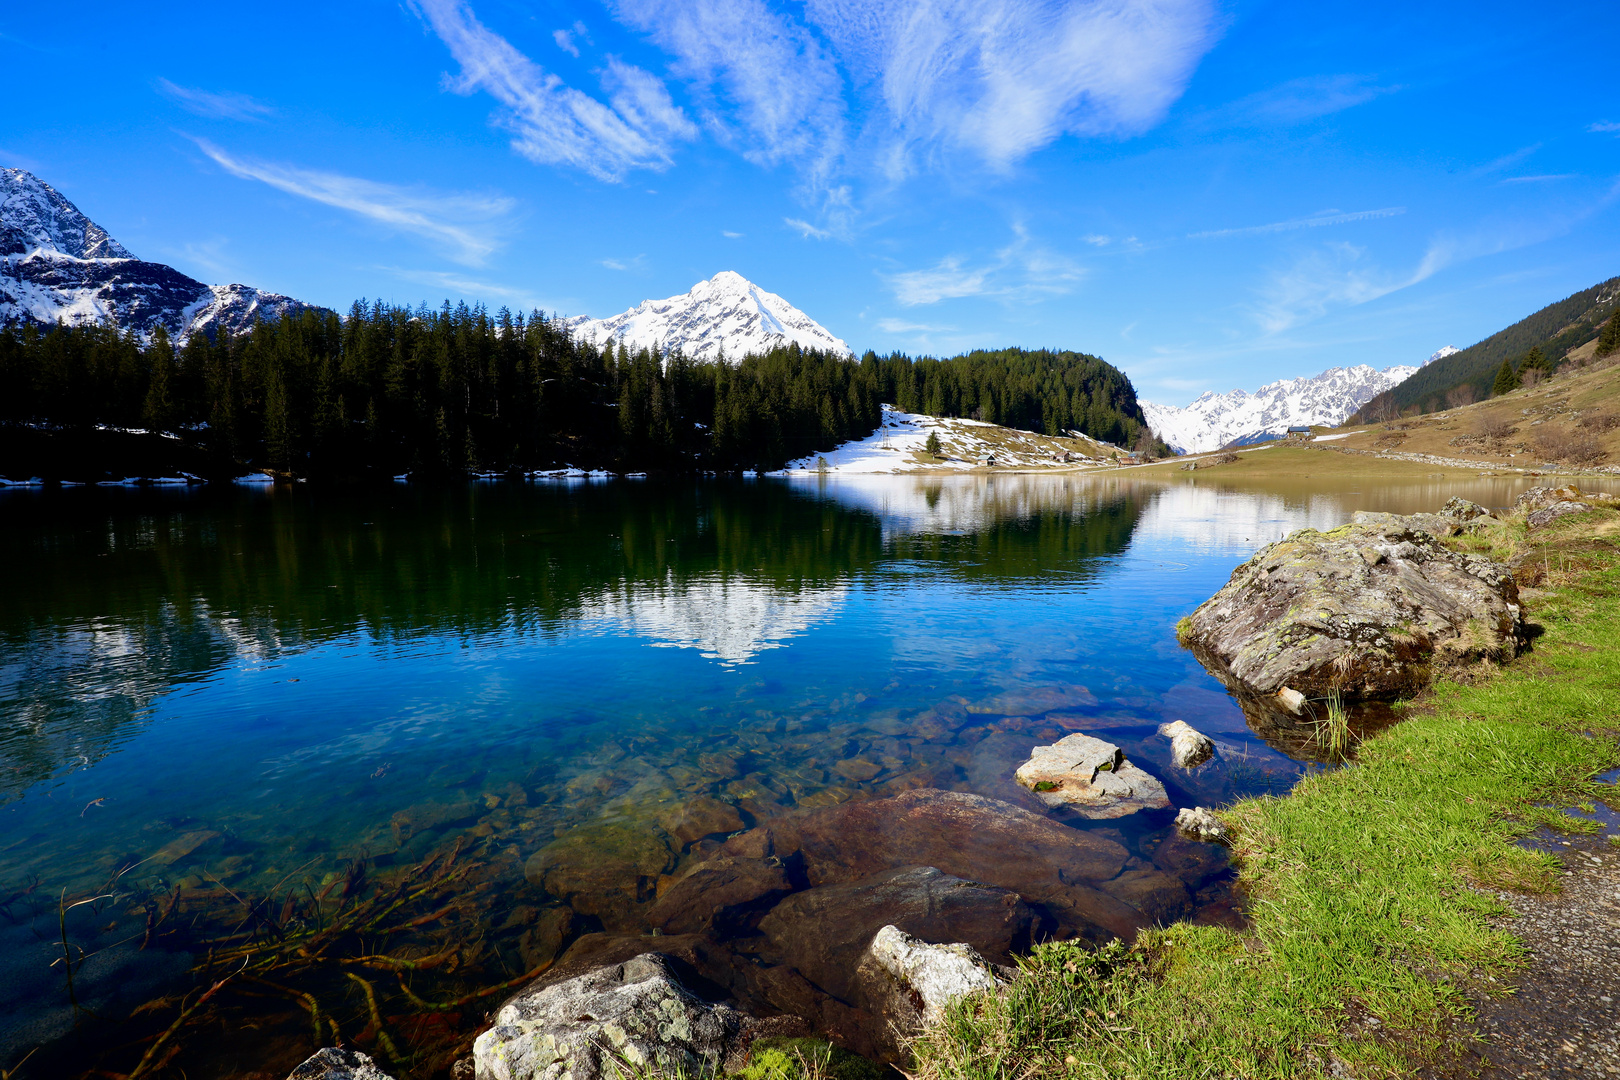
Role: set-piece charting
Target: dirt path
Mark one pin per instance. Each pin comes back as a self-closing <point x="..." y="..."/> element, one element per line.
<point x="1564" y="1018"/>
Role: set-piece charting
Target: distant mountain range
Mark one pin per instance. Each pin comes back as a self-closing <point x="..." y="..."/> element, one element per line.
<point x="725" y="315"/>
<point x="1217" y="420"/>
<point x="58" y="265"/>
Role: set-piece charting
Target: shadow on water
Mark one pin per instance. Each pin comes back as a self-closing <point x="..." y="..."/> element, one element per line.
<point x="395" y="750"/>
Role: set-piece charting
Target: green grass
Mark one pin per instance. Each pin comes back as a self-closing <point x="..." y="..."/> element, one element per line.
<point x="1367" y="914"/>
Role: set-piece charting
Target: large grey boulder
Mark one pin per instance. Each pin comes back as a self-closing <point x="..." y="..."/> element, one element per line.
<point x="1368" y="610"/>
<point x="623" y="1019"/>
<point x="1091" y="777"/>
<point x="330" y="1063"/>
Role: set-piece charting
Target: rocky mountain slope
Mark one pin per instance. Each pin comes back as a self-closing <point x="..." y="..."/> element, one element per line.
<point x="727" y="314"/>
<point x="1217" y="420"/>
<point x="58" y="265"/>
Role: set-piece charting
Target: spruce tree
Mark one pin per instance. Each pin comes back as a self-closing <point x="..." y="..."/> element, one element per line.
<point x="1507" y="380"/>
<point x="1609" y="340"/>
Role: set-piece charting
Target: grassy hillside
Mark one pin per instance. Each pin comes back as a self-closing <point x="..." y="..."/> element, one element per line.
<point x="1466" y="376"/>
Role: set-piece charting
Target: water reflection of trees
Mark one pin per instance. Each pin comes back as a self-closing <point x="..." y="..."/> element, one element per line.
<point x="128" y="593"/>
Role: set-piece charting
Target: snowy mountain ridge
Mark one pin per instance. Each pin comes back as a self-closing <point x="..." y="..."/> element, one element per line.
<point x="1217" y="420"/>
<point x="725" y="315"/>
<point x="56" y="265"/>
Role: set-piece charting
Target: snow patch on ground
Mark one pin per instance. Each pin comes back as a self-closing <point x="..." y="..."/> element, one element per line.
<point x="897" y="446"/>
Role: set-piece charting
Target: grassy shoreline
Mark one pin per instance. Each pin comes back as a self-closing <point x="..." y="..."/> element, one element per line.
<point x="1369" y="902"/>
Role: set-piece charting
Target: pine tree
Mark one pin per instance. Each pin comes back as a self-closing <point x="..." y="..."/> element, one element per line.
<point x="1609" y="340"/>
<point x="932" y="445"/>
<point x="158" y="411"/>
<point x="1507" y="380"/>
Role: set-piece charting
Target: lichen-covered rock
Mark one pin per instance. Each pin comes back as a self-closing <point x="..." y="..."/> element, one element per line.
<point x="330" y="1063"/>
<point x="1368" y="610"/>
<point x="1090" y="776"/>
<point x="1463" y="509"/>
<point x="1189" y="747"/>
<point x="1540" y="519"/>
<point x="908" y="983"/>
<point x="628" y="1018"/>
<point x="1200" y="824"/>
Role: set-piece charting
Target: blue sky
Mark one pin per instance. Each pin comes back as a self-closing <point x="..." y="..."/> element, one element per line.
<point x="1208" y="195"/>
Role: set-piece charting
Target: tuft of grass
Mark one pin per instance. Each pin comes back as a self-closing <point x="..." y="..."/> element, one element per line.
<point x="1368" y="889"/>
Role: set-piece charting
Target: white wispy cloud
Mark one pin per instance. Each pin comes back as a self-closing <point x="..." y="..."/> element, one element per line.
<point x="901" y="326"/>
<point x="457" y="285"/>
<point x="1604" y="127"/>
<point x="1329" y="217"/>
<point x="729" y="235"/>
<point x="807" y="230"/>
<point x="223" y="106"/>
<point x="1506" y="161"/>
<point x="625" y="264"/>
<point x="1299" y="100"/>
<point x="565" y="38"/>
<point x="1539" y="179"/>
<point x="466" y="225"/>
<point x="555" y="124"/>
<point x="1021" y="271"/>
<point x="773" y="91"/>
<point x="1002" y="78"/>
<point x="835" y="88"/>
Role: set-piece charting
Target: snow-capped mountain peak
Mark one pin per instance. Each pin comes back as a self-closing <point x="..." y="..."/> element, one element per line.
<point x="725" y="315"/>
<point x="56" y="265"/>
<point x="1441" y="353"/>
<point x="35" y="217"/>
<point x="1216" y="420"/>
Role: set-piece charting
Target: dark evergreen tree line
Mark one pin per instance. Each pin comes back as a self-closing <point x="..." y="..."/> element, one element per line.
<point x="390" y="389"/>
<point x="1034" y="389"/>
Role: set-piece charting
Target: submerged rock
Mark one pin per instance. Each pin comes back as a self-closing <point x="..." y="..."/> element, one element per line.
<point x="719" y="893"/>
<point x="823" y="932"/>
<point x="1189" y="747"/>
<point x="606" y="870"/>
<point x="966" y="836"/>
<point x="634" y="1017"/>
<point x="1201" y="824"/>
<point x="704" y="816"/>
<point x="330" y="1063"/>
<point x="1159" y="896"/>
<point x="1367" y="610"/>
<point x="908" y="983"/>
<point x="1092" y="777"/>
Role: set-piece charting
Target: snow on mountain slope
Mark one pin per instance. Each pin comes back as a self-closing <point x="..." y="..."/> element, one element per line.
<point x="1217" y="420"/>
<point x="727" y="313"/>
<point x="56" y="265"/>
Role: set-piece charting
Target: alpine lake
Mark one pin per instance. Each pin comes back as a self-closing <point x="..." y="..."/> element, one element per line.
<point x="274" y="761"/>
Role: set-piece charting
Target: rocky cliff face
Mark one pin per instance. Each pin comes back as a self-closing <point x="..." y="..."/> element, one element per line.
<point x="725" y="315"/>
<point x="56" y="265"/>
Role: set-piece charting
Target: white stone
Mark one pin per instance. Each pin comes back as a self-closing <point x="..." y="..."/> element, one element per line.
<point x="330" y="1063"/>
<point x="1092" y="777"/>
<point x="1189" y="747"/>
<point x="920" y="978"/>
<point x="1201" y="824"/>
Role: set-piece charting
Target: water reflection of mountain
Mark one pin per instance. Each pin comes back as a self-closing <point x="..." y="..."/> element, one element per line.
<point x="726" y="620"/>
<point x="129" y="593"/>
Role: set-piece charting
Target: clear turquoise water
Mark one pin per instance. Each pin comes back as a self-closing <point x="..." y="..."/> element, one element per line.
<point x="275" y="683"/>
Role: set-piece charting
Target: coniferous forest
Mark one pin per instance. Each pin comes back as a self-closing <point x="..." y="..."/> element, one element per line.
<point x="443" y="392"/>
